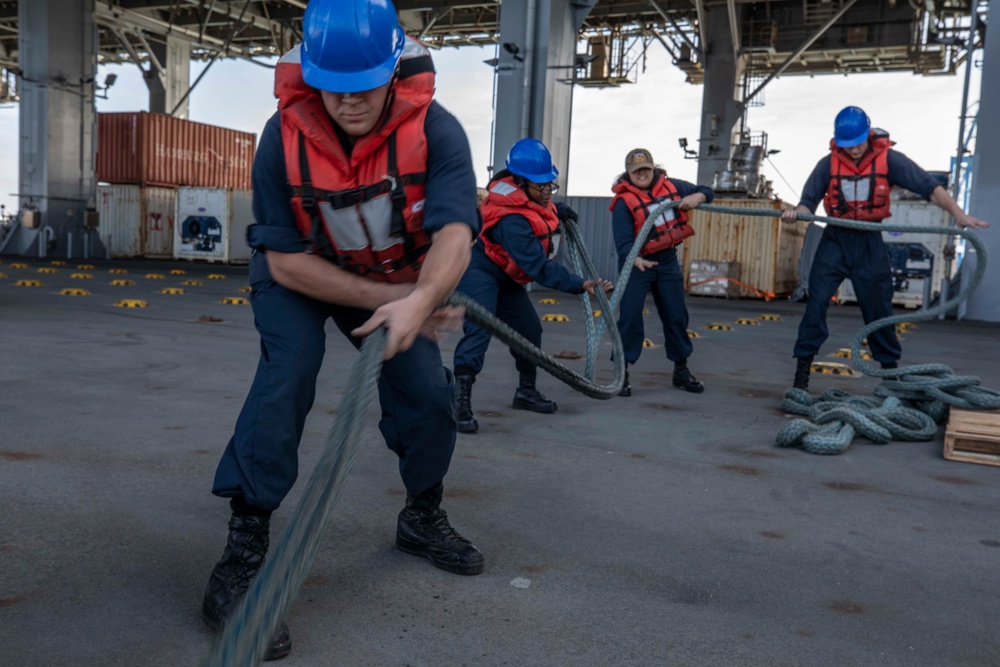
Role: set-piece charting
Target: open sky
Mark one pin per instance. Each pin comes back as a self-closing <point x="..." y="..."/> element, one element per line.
<point x="921" y="113"/>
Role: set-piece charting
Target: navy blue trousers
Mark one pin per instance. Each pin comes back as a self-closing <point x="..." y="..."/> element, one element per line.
<point x="415" y="392"/>
<point x="509" y="301"/>
<point x="862" y="257"/>
<point x="666" y="282"/>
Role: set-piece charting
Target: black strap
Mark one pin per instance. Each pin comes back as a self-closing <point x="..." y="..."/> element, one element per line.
<point x="319" y="238"/>
<point x="409" y="257"/>
<point x="398" y="195"/>
<point x="418" y="65"/>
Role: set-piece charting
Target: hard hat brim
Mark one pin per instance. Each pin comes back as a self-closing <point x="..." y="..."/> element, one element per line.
<point x="547" y="177"/>
<point x="853" y="141"/>
<point x="351" y="82"/>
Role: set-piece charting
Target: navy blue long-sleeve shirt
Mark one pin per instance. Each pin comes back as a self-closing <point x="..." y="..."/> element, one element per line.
<point x="449" y="194"/>
<point x="623" y="222"/>
<point x="514" y="233"/>
<point x="903" y="172"/>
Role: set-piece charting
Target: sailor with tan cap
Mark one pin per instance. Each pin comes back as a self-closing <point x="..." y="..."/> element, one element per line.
<point x="637" y="191"/>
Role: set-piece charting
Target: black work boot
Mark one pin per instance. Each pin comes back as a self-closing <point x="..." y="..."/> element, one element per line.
<point x="527" y="397"/>
<point x="463" y="404"/>
<point x="240" y="562"/>
<point x="684" y="380"/>
<point x="626" y="389"/>
<point x="423" y="530"/>
<point x="888" y="366"/>
<point x="802" y="368"/>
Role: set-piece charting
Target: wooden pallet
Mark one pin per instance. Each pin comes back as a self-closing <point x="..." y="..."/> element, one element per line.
<point x="973" y="436"/>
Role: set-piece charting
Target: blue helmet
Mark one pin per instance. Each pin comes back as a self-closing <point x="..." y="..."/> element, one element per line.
<point x="531" y="160"/>
<point x="349" y="46"/>
<point x="851" y="127"/>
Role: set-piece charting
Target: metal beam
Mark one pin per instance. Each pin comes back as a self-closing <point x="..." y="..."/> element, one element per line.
<point x="662" y="41"/>
<point x="734" y="28"/>
<point x="154" y="62"/>
<point x="666" y="17"/>
<point x="436" y="15"/>
<point x="699" y="7"/>
<point x="111" y="16"/>
<point x="797" y="52"/>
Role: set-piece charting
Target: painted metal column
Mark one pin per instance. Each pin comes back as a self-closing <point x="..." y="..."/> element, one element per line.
<point x="720" y="102"/>
<point x="167" y="87"/>
<point x="534" y="76"/>
<point x="984" y="203"/>
<point x="58" y="55"/>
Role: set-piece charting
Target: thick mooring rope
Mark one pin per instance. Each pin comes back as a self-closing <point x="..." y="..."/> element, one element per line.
<point x="835" y="418"/>
<point x="245" y="636"/>
<point x="909" y="401"/>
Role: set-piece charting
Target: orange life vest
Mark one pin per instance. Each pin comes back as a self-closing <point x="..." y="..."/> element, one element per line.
<point x="363" y="211"/>
<point x="506" y="198"/>
<point x="860" y="191"/>
<point x="672" y="226"/>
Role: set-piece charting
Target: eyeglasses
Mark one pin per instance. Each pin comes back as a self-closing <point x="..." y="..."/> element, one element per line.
<point x="544" y="188"/>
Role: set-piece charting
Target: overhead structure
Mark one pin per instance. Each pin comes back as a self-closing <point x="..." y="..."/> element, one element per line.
<point x="544" y="48"/>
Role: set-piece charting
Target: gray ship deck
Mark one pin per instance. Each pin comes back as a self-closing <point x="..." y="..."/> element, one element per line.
<point x="663" y="529"/>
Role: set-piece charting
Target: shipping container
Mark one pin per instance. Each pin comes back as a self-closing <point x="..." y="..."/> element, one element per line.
<point x="211" y="224"/>
<point x="911" y="293"/>
<point x="136" y="222"/>
<point x="766" y="249"/>
<point x="142" y="148"/>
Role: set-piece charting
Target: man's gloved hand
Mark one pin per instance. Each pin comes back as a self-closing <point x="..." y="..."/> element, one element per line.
<point x="566" y="213"/>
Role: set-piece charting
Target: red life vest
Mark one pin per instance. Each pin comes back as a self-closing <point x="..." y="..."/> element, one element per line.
<point x="506" y="198"/>
<point x="671" y="228"/>
<point x="363" y="211"/>
<point x="860" y="191"/>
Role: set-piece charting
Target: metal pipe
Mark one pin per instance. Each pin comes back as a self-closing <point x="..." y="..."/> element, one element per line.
<point x="86" y="244"/>
<point x="107" y="248"/>
<point x="797" y="52"/>
<point x="699" y="7"/>
<point x="44" y="235"/>
<point x="956" y="183"/>
<point x="734" y="29"/>
<point x="69" y="245"/>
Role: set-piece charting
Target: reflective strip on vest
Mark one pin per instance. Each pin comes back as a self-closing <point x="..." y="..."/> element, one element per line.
<point x="856" y="188"/>
<point x="663" y="219"/>
<point x="503" y="189"/>
<point x="351" y="227"/>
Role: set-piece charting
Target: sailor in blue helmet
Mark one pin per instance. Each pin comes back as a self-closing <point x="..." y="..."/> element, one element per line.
<point x="854" y="182"/>
<point x="520" y="228"/>
<point x="365" y="207"/>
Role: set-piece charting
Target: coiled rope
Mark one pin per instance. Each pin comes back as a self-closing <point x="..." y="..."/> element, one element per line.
<point x="908" y="403"/>
<point x="246" y="635"/>
<point x="913" y="398"/>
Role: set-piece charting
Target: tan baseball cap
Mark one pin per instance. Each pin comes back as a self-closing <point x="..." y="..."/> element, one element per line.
<point x="638" y="158"/>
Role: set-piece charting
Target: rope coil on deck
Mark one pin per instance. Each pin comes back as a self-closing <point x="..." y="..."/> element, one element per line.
<point x="928" y="389"/>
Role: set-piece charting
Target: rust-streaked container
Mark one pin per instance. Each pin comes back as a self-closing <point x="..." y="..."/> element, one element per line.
<point x="142" y="148"/>
<point x="766" y="248"/>
<point x="134" y="221"/>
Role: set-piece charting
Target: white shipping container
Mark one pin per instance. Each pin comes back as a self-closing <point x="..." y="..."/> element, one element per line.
<point x="913" y="213"/>
<point x="211" y="224"/>
<point x="136" y="221"/>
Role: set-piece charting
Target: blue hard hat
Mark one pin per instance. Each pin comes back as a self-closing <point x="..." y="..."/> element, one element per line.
<point x="349" y="46"/>
<point x="530" y="159"/>
<point x="851" y="127"/>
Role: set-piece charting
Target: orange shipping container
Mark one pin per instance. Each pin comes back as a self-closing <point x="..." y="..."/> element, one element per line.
<point x="145" y="148"/>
